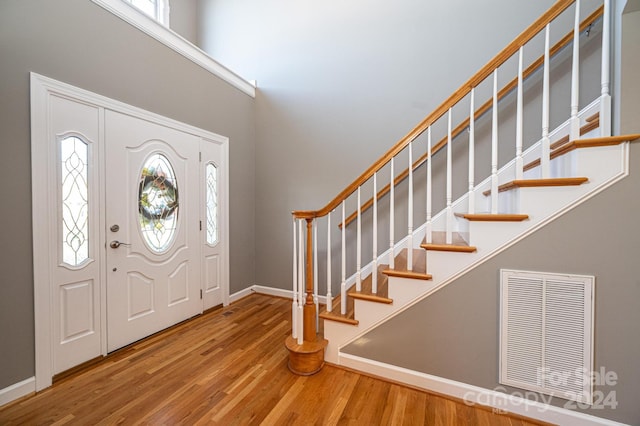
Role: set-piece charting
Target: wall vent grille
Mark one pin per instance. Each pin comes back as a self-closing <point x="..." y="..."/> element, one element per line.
<point x="546" y="336"/>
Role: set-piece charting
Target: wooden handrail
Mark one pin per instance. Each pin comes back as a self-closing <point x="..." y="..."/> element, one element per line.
<point x="528" y="34"/>
<point x="480" y="111"/>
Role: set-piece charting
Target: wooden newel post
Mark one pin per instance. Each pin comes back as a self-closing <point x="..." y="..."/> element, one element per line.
<point x="309" y="306"/>
<point x="307" y="358"/>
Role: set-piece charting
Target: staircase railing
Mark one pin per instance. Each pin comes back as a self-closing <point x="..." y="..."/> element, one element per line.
<point x="304" y="344"/>
<point x="464" y="125"/>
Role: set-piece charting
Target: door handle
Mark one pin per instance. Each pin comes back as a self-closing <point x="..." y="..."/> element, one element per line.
<point x="115" y="244"/>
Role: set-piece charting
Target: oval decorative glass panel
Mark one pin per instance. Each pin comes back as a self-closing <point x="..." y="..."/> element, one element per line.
<point x="212" y="203"/>
<point x="74" y="155"/>
<point x="158" y="202"/>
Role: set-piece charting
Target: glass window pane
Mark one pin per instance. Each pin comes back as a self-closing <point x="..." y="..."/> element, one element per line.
<point x="147" y="6"/>
<point x="212" y="203"/>
<point x="75" y="200"/>
<point x="158" y="203"/>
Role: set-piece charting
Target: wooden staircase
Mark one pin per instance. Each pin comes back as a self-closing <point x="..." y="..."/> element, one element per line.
<point x="566" y="166"/>
<point x="460" y="243"/>
<point x="400" y="270"/>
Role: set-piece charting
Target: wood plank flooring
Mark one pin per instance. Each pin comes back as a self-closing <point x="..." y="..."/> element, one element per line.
<point x="229" y="367"/>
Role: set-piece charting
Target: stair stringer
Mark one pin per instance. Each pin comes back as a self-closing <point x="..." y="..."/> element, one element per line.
<point x="604" y="166"/>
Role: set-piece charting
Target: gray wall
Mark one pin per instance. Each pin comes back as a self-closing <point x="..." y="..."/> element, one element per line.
<point x="339" y="83"/>
<point x="629" y="117"/>
<point x="79" y="43"/>
<point x="184" y="18"/>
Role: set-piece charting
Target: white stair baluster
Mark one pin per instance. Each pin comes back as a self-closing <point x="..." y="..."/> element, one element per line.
<point x="374" y="268"/>
<point x="315" y="271"/>
<point x="545" y="158"/>
<point x="359" y="246"/>
<point x="605" y="96"/>
<point x="410" y="211"/>
<point x="294" y="305"/>
<point x="301" y="284"/>
<point x="329" y="296"/>
<point x="472" y="154"/>
<point x="391" y="218"/>
<point x="519" y="119"/>
<point x="494" y="146"/>
<point x="449" y="225"/>
<point x="574" y="129"/>
<point x="343" y="283"/>
<point x="429" y="230"/>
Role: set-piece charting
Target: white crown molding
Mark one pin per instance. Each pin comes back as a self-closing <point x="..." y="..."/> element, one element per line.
<point x="171" y="39"/>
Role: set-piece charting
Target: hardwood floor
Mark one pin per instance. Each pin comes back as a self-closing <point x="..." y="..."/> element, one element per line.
<point x="229" y="367"/>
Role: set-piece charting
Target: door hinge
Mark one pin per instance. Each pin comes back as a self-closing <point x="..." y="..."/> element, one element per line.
<point x="201" y="225"/>
<point x="200" y="293"/>
<point x="200" y="157"/>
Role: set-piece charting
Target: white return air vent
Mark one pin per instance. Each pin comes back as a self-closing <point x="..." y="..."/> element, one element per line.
<point x="546" y="333"/>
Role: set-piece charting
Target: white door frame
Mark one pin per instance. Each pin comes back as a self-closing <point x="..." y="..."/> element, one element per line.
<point x="42" y="88"/>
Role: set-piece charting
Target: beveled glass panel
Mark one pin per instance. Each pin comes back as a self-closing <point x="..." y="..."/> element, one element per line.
<point x="158" y="203"/>
<point x="74" y="155"/>
<point x="212" y="203"/>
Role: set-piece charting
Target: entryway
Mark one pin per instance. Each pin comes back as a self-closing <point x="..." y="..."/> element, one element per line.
<point x="130" y="224"/>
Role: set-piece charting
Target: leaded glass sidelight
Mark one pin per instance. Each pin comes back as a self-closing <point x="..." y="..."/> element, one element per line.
<point x="158" y="202"/>
<point x="212" y="203"/>
<point x="74" y="154"/>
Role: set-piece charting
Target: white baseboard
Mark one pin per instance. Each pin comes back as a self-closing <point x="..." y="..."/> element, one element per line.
<point x="473" y="395"/>
<point x="17" y="390"/>
<point x="270" y="291"/>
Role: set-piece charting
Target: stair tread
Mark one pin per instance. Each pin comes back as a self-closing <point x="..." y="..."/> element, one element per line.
<point x="490" y="217"/>
<point x="531" y="183"/>
<point x="419" y="270"/>
<point x="370" y="297"/>
<point x="449" y="247"/>
<point x="592" y="123"/>
<point x="594" y="142"/>
<point x="439" y="243"/>
<point x="607" y="140"/>
<point x="366" y="289"/>
<point x="348" y="318"/>
<point x="561" y="146"/>
<point x="335" y="315"/>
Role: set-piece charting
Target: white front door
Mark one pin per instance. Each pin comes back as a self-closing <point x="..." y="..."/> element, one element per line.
<point x="105" y="173"/>
<point x="153" y="226"/>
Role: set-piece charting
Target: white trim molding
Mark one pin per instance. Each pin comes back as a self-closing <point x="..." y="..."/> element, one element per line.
<point x="475" y="395"/>
<point x="241" y="294"/>
<point x="179" y="44"/>
<point x="269" y="291"/>
<point x="17" y="390"/>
